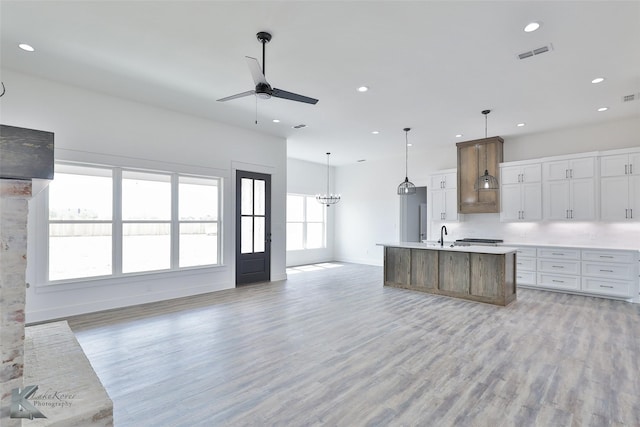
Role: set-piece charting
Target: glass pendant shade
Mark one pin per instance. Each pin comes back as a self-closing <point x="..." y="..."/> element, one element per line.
<point x="328" y="199"/>
<point x="486" y="182"/>
<point x="406" y="187"/>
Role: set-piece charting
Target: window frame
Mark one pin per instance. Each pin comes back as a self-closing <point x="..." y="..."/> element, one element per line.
<point x="117" y="224"/>
<point x="305" y="222"/>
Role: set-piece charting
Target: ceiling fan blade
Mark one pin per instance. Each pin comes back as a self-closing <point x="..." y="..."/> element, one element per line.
<point x="279" y="93"/>
<point x="256" y="71"/>
<point x="238" y="95"/>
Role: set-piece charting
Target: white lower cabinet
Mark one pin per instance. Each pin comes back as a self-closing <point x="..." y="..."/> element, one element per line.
<point x="526" y="266"/>
<point x="602" y="272"/>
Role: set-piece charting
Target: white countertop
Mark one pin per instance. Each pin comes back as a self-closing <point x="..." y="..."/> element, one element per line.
<point x="495" y="250"/>
<point x="593" y="247"/>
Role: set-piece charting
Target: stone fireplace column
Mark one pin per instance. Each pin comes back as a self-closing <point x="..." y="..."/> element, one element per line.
<point x="14" y="197"/>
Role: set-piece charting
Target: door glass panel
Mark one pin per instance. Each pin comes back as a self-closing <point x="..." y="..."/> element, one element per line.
<point x="246" y="207"/>
<point x="246" y="234"/>
<point x="259" y="197"/>
<point x="258" y="236"/>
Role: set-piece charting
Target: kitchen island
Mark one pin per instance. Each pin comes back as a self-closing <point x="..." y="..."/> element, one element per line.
<point x="478" y="273"/>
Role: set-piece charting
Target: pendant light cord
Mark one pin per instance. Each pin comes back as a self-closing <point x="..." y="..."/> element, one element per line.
<point x="406" y="154"/>
<point x="328" y="173"/>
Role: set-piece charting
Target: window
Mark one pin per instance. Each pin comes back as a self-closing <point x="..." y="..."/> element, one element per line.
<point x="109" y="221"/>
<point x="306" y="223"/>
<point x="80" y="223"/>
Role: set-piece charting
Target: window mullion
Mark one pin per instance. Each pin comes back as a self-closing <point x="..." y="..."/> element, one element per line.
<point x="175" y="222"/>
<point x="116" y="227"/>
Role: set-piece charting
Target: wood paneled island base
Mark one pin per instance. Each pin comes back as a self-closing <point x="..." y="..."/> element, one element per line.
<point x="478" y="273"/>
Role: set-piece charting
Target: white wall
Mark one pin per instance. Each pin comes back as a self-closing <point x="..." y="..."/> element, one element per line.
<point x="94" y="127"/>
<point x="371" y="207"/>
<point x="311" y="178"/>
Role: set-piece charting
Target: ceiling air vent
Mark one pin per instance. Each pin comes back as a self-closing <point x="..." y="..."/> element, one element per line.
<point x="631" y="97"/>
<point x="534" y="52"/>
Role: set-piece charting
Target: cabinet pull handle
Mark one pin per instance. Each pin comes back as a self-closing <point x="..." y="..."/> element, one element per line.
<point x="566" y="214"/>
<point x="566" y="173"/>
<point x="626" y="214"/>
<point x="625" y="169"/>
<point x="557" y="281"/>
<point x="557" y="266"/>
<point x="607" y="271"/>
<point x="571" y="210"/>
<point x="631" y="210"/>
<point x="606" y="256"/>
<point x="606" y="286"/>
<point x="631" y="169"/>
<point x="557" y="253"/>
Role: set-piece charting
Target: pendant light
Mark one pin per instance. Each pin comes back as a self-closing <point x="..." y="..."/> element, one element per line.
<point x="406" y="187"/>
<point x="328" y="198"/>
<point x="485" y="181"/>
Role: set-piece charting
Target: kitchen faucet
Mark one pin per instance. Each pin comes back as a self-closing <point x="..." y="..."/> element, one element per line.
<point x="442" y="229"/>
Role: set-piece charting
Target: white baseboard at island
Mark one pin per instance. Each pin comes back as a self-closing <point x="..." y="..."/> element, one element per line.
<point x="477" y="273"/>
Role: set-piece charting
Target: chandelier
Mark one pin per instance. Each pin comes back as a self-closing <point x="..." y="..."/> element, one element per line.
<point x="328" y="198"/>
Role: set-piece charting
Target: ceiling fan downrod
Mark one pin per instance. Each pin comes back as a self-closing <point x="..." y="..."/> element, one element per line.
<point x="264" y="38"/>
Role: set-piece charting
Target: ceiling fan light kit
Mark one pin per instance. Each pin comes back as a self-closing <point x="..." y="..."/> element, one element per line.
<point x="263" y="89"/>
<point x="406" y="187"/>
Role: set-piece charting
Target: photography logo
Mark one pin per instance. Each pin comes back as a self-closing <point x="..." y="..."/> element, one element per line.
<point x="21" y="407"/>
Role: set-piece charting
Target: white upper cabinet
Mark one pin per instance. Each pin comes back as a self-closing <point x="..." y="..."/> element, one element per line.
<point x="570" y="189"/>
<point x="444" y="197"/>
<point x="620" y="187"/>
<point x="521" y="192"/>
<point x="444" y="180"/>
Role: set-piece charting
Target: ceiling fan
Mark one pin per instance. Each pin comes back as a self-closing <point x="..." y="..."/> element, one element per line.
<point x="263" y="88"/>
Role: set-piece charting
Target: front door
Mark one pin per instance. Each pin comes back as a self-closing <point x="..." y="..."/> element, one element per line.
<point x="253" y="227"/>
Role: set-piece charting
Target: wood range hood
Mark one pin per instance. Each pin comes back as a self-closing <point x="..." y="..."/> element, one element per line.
<point x="474" y="157"/>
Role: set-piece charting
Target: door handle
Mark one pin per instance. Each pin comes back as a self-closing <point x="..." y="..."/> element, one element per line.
<point x="268" y="239"/>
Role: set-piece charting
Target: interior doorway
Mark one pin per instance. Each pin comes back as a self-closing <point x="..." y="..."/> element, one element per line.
<point x="413" y="216"/>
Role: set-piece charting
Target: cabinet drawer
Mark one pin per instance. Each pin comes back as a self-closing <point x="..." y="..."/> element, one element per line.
<point x="560" y="253"/>
<point x="608" y="270"/>
<point x="610" y="256"/>
<point x="525" y="264"/>
<point x="525" y="278"/>
<point x="558" y="281"/>
<point x="559" y="266"/>
<point x="529" y="252"/>
<point x="607" y="287"/>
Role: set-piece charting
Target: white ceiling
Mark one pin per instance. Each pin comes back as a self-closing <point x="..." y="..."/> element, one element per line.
<point x="431" y="65"/>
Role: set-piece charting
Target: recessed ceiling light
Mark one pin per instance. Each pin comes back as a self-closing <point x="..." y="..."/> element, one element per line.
<point x="363" y="88"/>
<point x="531" y="27"/>
<point x="603" y="108"/>
<point x="375" y="132"/>
<point x="459" y="135"/>
<point x="597" y="80"/>
<point x="520" y="125"/>
<point x="276" y="121"/>
<point x="409" y="145"/>
<point x="26" y="47"/>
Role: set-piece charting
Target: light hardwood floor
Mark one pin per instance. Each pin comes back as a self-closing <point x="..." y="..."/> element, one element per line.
<point x="334" y="347"/>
